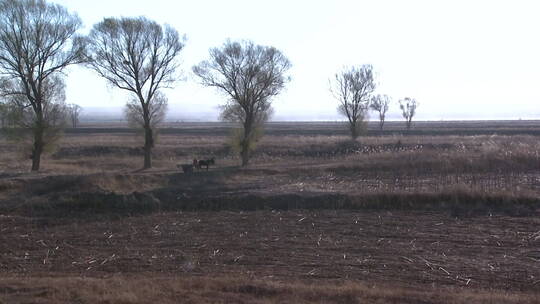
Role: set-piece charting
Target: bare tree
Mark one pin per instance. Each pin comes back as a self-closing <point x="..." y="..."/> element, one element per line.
<point x="37" y="41"/>
<point x="250" y="75"/>
<point x="23" y="120"/>
<point x="353" y="87"/>
<point x="140" y="56"/>
<point x="380" y="104"/>
<point x="74" y="111"/>
<point x="408" y="110"/>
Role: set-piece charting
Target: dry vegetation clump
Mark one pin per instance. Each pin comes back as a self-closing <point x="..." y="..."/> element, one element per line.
<point x="505" y="168"/>
<point x="444" y="162"/>
<point x="493" y="165"/>
<point x="96" y="151"/>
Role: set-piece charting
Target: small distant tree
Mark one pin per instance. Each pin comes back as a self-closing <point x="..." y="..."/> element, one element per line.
<point x="38" y="41"/>
<point x="74" y="111"/>
<point x="353" y="87"/>
<point x="408" y="110"/>
<point x="140" y="56"/>
<point x="380" y="104"/>
<point x="250" y="75"/>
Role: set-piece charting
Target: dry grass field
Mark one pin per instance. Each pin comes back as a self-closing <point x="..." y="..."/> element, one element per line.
<point x="446" y="213"/>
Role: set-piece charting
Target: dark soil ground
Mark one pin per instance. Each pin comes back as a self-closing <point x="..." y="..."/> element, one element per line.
<point x="496" y="252"/>
<point x="412" y="250"/>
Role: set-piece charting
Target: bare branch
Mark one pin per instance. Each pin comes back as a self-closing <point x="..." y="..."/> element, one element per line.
<point x="38" y="41"/>
<point x="250" y="75"/>
<point x="140" y="56"/>
<point x="352" y="88"/>
<point x="380" y="104"/>
<point x="408" y="110"/>
<point x="74" y="111"/>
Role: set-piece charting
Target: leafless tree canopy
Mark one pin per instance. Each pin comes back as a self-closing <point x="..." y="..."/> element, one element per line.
<point x="140" y="56"/>
<point x="23" y="122"/>
<point x="250" y="75"/>
<point x="380" y="104"/>
<point x="157" y="109"/>
<point x="408" y="109"/>
<point x="353" y="88"/>
<point x="233" y="112"/>
<point x="37" y="41"/>
<point x="74" y="111"/>
<point x="135" y="54"/>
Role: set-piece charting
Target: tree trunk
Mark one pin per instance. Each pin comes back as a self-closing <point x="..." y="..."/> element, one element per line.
<point x="244" y="154"/>
<point x="37" y="149"/>
<point x="246" y="142"/>
<point x="148" y="144"/>
<point x="354" y="131"/>
<point x="244" y="151"/>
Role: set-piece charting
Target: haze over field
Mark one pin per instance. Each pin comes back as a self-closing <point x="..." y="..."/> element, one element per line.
<point x="459" y="59"/>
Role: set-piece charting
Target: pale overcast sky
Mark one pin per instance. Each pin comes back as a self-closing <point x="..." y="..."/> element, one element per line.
<point x="459" y="59"/>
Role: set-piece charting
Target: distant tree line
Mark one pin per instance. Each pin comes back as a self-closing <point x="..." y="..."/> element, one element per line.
<point x="354" y="89"/>
<point x="39" y="40"/>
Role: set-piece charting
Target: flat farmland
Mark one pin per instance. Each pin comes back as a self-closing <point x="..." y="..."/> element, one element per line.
<point x="446" y="213"/>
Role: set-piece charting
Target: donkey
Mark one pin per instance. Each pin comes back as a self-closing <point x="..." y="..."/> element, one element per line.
<point x="205" y="163"/>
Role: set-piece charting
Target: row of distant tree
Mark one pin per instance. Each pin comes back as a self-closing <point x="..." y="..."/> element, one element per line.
<point x="38" y="40"/>
<point x="9" y="115"/>
<point x="354" y="89"/>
